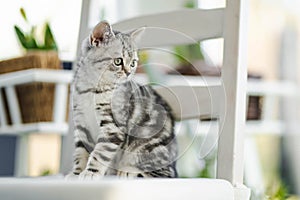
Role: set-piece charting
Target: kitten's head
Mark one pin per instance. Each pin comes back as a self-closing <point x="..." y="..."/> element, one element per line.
<point x="113" y="51"/>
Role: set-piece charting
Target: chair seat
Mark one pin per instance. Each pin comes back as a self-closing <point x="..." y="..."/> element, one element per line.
<point x="113" y="189"/>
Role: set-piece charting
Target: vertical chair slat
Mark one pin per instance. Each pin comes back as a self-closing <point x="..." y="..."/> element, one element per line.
<point x="234" y="76"/>
<point x="59" y="116"/>
<point x="13" y="105"/>
<point x="21" y="156"/>
<point x="3" y="117"/>
<point x="269" y="103"/>
<point x="60" y="102"/>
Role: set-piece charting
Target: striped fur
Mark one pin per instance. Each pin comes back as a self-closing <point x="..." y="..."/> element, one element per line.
<point x="121" y="128"/>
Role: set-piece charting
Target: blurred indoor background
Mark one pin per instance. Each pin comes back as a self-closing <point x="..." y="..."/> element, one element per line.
<point x="272" y="155"/>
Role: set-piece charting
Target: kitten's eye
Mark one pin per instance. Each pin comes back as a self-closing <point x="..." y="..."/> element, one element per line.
<point x="118" y="61"/>
<point x="133" y="63"/>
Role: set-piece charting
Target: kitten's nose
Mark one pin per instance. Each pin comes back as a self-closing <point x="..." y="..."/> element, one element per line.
<point x="127" y="71"/>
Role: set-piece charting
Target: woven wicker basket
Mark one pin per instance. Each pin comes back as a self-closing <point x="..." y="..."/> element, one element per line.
<point x="35" y="99"/>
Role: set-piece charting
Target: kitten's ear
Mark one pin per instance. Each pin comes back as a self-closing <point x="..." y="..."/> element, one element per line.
<point x="101" y="34"/>
<point x="137" y="34"/>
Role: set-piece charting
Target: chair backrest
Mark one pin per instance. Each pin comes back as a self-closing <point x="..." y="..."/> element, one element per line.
<point x="226" y="101"/>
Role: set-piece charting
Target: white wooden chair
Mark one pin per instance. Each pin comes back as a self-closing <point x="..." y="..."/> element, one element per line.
<point x="225" y="101"/>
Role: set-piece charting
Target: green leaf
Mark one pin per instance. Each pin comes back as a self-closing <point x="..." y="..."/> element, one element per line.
<point x="21" y="36"/>
<point x="49" y="41"/>
<point x="32" y="31"/>
<point x="195" y="52"/>
<point x="181" y="54"/>
<point x="190" y="4"/>
<point x="27" y="41"/>
<point x="186" y="54"/>
<point x="23" y="13"/>
<point x="31" y="43"/>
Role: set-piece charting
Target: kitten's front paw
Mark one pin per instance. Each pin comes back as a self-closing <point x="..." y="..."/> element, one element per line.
<point x="89" y="175"/>
<point x="71" y="176"/>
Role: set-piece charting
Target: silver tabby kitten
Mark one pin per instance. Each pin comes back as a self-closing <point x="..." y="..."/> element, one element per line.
<point x="121" y="128"/>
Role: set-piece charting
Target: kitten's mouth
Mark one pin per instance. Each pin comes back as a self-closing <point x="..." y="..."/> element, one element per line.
<point x="123" y="75"/>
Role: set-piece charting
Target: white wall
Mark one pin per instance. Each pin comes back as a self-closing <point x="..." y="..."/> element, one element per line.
<point x="62" y="14"/>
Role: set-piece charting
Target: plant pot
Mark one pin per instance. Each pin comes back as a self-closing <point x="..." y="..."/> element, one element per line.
<point x="35" y="99"/>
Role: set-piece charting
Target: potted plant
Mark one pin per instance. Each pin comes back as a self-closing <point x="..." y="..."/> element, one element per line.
<point x="29" y="41"/>
<point x="40" y="51"/>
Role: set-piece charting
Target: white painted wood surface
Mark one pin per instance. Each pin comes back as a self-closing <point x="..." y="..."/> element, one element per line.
<point x="13" y="105"/>
<point x="3" y="117"/>
<point x="290" y="107"/>
<point x="35" y="75"/>
<point x="193" y="102"/>
<point x="176" y="27"/>
<point x="84" y="30"/>
<point x="234" y="77"/>
<point x="21" y="156"/>
<point x="40" y="127"/>
<point x="114" y="189"/>
<point x="60" y="102"/>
